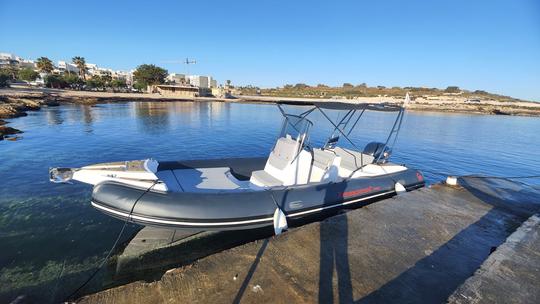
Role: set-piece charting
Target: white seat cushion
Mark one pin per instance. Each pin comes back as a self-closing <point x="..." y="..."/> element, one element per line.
<point x="205" y="179"/>
<point x="263" y="179"/>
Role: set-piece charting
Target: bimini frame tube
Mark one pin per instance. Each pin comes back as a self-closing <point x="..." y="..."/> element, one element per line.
<point x="348" y="117"/>
<point x="337" y="128"/>
<point x="396" y="127"/>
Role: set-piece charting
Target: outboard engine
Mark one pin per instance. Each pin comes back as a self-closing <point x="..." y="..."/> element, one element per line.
<point x="375" y="149"/>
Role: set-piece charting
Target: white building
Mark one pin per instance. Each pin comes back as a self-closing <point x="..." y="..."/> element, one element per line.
<point x="24" y="63"/>
<point x="176" y="78"/>
<point x="91" y="69"/>
<point x="67" y="67"/>
<point x="199" y="81"/>
<point x="11" y="59"/>
<point x="7" y="59"/>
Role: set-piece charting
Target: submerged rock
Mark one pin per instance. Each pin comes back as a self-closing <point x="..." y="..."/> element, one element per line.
<point x="5" y="132"/>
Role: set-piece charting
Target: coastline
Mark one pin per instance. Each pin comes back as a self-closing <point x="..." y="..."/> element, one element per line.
<point x="16" y="101"/>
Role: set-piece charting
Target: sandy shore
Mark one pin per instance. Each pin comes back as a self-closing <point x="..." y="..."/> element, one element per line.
<point x="14" y="102"/>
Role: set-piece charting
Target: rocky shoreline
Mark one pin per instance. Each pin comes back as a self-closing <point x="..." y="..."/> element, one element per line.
<point x="11" y="107"/>
<point x="15" y="102"/>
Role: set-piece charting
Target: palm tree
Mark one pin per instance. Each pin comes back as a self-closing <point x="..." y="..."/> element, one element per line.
<point x="44" y="65"/>
<point x="81" y="65"/>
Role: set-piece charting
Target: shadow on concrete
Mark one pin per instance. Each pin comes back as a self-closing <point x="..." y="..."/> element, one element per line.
<point x="334" y="256"/>
<point x="434" y="278"/>
<point x="250" y="273"/>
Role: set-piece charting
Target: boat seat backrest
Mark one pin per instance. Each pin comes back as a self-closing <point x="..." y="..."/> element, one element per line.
<point x="284" y="152"/>
<point x="322" y="159"/>
<point x="352" y="160"/>
<point x="324" y="166"/>
<point x="287" y="163"/>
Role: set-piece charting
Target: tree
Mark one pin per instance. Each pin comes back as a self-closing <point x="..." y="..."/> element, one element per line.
<point x="118" y="84"/>
<point x="362" y="85"/>
<point x="28" y="74"/>
<point x="481" y="92"/>
<point x="149" y="74"/>
<point x="107" y="79"/>
<point x="5" y="77"/>
<point x="95" y="82"/>
<point x="452" y="89"/>
<point x="44" y="65"/>
<point x="80" y="62"/>
<point x="139" y="86"/>
<point x="12" y="71"/>
<point x="301" y="86"/>
<point x="72" y="80"/>
<point x="55" y="81"/>
<point x="228" y="83"/>
<point x="347" y="85"/>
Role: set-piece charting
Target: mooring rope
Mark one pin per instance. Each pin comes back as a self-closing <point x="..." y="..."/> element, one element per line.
<point x="106" y="258"/>
<point x="479" y="176"/>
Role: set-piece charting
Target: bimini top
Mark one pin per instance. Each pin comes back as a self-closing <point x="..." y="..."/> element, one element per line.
<point x="335" y="105"/>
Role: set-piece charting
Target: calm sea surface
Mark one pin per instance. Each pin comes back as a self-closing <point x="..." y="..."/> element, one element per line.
<point x="50" y="231"/>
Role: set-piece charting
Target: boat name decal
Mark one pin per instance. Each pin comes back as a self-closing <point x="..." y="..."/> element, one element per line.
<point x="360" y="191"/>
<point x="296" y="205"/>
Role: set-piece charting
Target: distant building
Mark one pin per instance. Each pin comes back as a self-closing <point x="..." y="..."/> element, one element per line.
<point x="67" y="67"/>
<point x="176" y="78"/>
<point x="199" y="81"/>
<point x="7" y="59"/>
<point x="213" y="83"/>
<point x="224" y="92"/>
<point x="24" y="63"/>
<point x="178" y="90"/>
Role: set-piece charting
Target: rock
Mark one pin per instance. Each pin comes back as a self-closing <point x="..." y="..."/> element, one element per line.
<point x="51" y="102"/>
<point x="498" y="112"/>
<point x="6" y="131"/>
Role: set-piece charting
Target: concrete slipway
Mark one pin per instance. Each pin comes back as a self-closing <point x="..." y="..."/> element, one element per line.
<point x="475" y="243"/>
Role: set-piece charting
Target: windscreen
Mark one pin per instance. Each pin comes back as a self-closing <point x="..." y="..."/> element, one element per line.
<point x="295" y="127"/>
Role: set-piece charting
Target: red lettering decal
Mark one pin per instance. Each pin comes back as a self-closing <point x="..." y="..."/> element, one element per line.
<point x="360" y="191"/>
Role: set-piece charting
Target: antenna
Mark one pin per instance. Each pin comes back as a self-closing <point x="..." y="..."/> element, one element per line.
<point x="187" y="63"/>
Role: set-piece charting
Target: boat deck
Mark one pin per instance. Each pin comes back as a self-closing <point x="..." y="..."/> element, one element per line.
<point x="420" y="247"/>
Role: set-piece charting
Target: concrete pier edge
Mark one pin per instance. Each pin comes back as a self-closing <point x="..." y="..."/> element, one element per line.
<point x="432" y="245"/>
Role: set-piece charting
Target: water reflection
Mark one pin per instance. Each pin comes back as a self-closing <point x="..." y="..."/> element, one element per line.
<point x="54" y="116"/>
<point x="87" y="113"/>
<point x="153" y="118"/>
<point x="157" y="117"/>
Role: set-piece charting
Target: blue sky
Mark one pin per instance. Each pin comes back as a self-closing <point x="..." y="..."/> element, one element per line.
<point x="484" y="44"/>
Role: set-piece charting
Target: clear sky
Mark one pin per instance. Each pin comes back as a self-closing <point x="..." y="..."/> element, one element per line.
<point x="476" y="44"/>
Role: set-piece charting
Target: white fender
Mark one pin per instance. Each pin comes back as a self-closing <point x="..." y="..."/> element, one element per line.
<point x="399" y="188"/>
<point x="280" y="221"/>
<point x="452" y="181"/>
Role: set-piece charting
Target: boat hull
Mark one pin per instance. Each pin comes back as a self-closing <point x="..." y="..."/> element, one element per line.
<point x="242" y="210"/>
